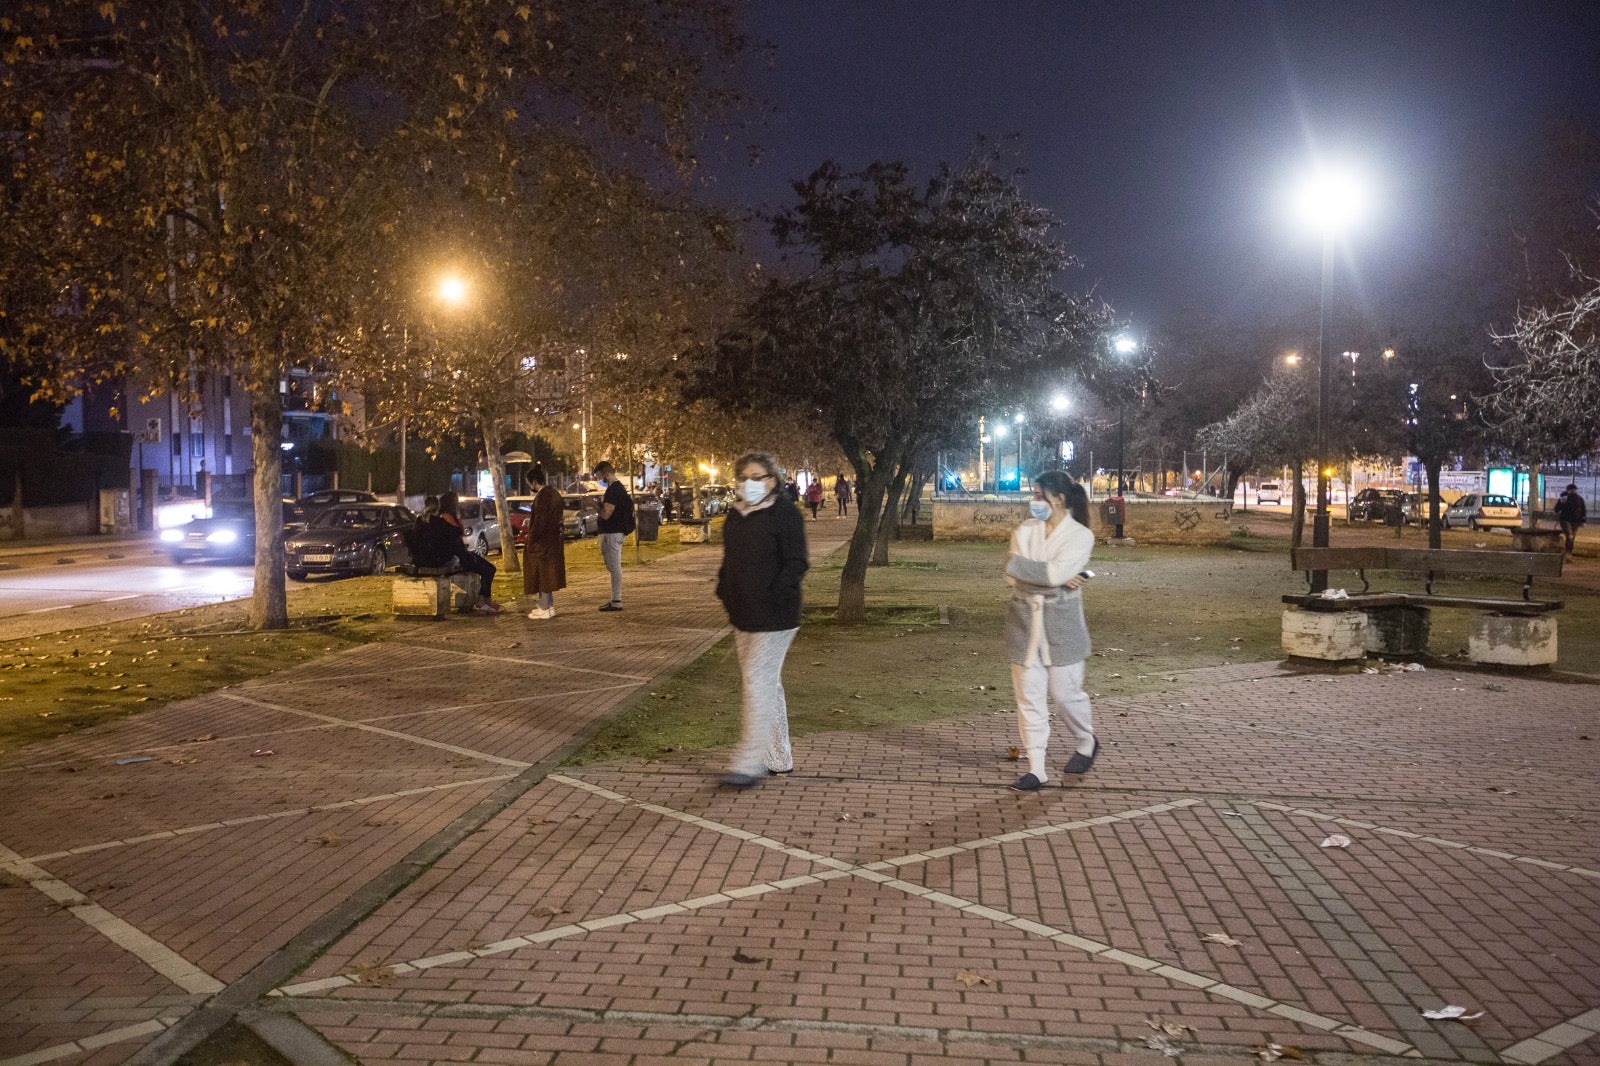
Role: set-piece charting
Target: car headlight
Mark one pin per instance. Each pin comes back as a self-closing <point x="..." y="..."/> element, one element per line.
<point x="352" y="546"/>
<point x="171" y="536"/>
<point x="223" y="536"/>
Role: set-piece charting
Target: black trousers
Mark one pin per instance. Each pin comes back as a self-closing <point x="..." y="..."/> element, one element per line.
<point x="474" y="563"/>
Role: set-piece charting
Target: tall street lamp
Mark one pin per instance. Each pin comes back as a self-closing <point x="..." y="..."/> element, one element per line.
<point x="1329" y="202"/>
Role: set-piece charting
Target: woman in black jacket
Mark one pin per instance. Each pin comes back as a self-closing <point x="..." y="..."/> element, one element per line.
<point x="763" y="559"/>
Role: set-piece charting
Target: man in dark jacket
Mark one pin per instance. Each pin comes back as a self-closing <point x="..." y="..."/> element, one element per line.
<point x="1571" y="513"/>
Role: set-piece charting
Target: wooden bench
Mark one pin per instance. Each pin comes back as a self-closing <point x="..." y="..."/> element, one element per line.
<point x="424" y="591"/>
<point x="1509" y="632"/>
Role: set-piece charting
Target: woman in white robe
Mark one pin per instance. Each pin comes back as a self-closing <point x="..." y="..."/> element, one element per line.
<point x="1047" y="639"/>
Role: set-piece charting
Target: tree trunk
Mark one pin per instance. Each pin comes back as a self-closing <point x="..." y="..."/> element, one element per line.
<point x="872" y="482"/>
<point x="888" y="520"/>
<point x="1530" y="519"/>
<point x="1297" y="517"/>
<point x="1434" y="538"/>
<point x="269" y="605"/>
<point x="510" y="558"/>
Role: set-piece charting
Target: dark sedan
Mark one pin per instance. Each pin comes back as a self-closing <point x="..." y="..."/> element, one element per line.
<point x="1374" y="505"/>
<point x="350" y="539"/>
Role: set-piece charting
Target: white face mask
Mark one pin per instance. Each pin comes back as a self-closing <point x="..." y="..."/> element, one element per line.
<point x="755" y="490"/>
<point x="1039" y="509"/>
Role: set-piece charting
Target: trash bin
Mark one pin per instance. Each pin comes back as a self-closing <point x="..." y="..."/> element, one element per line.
<point x="648" y="520"/>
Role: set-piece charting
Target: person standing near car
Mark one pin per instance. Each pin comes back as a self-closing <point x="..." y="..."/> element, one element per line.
<point x="764" y="558"/>
<point x="544" y="555"/>
<point x="1571" y="512"/>
<point x="616" y="522"/>
<point x="1047" y="639"/>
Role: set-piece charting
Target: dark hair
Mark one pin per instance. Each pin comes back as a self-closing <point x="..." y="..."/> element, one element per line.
<point x="537" y="475"/>
<point x="447" y="504"/>
<point x="430" y="507"/>
<point x="1060" y="483"/>
<point x="604" y="467"/>
<point x="1572" y="488"/>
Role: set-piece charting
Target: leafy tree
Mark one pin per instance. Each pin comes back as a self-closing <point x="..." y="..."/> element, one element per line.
<point x="194" y="186"/>
<point x="910" y="309"/>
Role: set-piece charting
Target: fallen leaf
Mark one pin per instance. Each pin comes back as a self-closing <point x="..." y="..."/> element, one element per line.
<point x="1337" y="840"/>
<point x="330" y="840"/>
<point x="547" y="912"/>
<point x="969" y="978"/>
<point x="1274" y="1052"/>
<point x="368" y="974"/>
<point x="1221" y="938"/>
<point x="180" y="761"/>
<point x="1013" y="754"/>
<point x="203" y="738"/>
<point x="739" y="956"/>
<point x="1163" y="1045"/>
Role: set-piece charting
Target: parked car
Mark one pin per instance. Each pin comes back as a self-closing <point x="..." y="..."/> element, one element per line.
<point x="1269" y="492"/>
<point x="1414" y="508"/>
<point x="364" y="538"/>
<point x="715" y="499"/>
<point x="1481" y="511"/>
<point x="518" y="510"/>
<point x="480" y="524"/>
<point x="1373" y="505"/>
<point x="580" y="514"/>
<point x="229" y="535"/>
<point x="300" y="512"/>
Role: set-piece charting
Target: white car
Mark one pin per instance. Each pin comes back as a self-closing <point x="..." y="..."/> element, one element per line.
<point x="1481" y="511"/>
<point x="1269" y="492"/>
<point x="480" y="527"/>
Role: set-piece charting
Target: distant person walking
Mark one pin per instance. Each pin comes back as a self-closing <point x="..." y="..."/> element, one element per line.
<point x="814" y="497"/>
<point x="544" y="556"/>
<point x="841" y="495"/>
<point x="1047" y="639"/>
<point x="1571" y="512"/>
<point x="616" y="522"/>
<point x="763" y="559"/>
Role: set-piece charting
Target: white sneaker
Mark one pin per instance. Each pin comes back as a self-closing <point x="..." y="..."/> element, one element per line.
<point x="539" y="613"/>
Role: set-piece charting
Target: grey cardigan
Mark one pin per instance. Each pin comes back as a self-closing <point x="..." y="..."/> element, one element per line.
<point x="1061" y="614"/>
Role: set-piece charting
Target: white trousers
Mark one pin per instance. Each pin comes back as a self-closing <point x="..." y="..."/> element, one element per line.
<point x="765" y="745"/>
<point x="611" y="553"/>
<point x="1034" y="686"/>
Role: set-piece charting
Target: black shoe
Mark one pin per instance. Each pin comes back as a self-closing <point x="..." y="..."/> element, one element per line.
<point x="612" y="606"/>
<point x="740" y="781"/>
<point x="1079" y="764"/>
<point x="1027" y="783"/>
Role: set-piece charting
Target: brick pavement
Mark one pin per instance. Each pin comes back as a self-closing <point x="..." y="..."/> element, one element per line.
<point x="412" y="878"/>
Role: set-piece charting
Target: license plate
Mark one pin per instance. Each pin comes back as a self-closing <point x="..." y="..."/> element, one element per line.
<point x="316" y="558"/>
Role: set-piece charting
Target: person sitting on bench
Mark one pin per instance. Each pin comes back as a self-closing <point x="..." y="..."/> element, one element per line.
<point x="438" y="539"/>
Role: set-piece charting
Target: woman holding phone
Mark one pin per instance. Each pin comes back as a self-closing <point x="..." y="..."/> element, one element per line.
<point x="1047" y="639"/>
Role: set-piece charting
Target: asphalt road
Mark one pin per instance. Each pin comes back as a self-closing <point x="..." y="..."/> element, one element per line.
<point x="74" y="589"/>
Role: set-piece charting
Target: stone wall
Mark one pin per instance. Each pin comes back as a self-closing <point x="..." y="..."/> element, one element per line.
<point x="72" y="520"/>
<point x="1164" y="521"/>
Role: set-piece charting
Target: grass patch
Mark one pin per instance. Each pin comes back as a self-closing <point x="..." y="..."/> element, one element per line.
<point x="61" y="682"/>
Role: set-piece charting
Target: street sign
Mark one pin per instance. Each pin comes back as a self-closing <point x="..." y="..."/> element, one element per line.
<point x="152" y="431"/>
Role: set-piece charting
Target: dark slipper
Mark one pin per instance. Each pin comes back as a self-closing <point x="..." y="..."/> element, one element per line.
<point x="1027" y="783"/>
<point x="740" y="781"/>
<point x="612" y="607"/>
<point x="1079" y="764"/>
<point x="781" y="773"/>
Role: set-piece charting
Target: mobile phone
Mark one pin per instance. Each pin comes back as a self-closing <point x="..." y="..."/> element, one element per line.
<point x="1087" y="575"/>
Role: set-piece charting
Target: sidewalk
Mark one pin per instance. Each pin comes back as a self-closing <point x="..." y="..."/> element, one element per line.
<point x="48" y="549"/>
<point x="412" y="876"/>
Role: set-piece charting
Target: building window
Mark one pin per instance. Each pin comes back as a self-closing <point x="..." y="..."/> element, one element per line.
<point x="227" y="444"/>
<point x="197" y="445"/>
<point x="177" y="444"/>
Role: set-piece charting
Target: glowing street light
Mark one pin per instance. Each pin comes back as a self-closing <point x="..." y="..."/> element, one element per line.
<point x="452" y="290"/>
<point x="1329" y="202"/>
<point x="1059" y="403"/>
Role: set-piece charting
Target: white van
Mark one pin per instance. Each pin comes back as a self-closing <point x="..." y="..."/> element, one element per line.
<point x="1269" y="492"/>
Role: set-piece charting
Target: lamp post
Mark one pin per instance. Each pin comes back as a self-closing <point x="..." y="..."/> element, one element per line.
<point x="998" y="433"/>
<point x="1018" y="419"/>
<point x="982" y="439"/>
<point x="1329" y="202"/>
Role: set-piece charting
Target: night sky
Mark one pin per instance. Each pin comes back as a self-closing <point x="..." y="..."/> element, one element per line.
<point x="1165" y="135"/>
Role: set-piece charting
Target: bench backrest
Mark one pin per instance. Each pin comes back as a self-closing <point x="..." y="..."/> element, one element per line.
<point x="1430" y="560"/>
